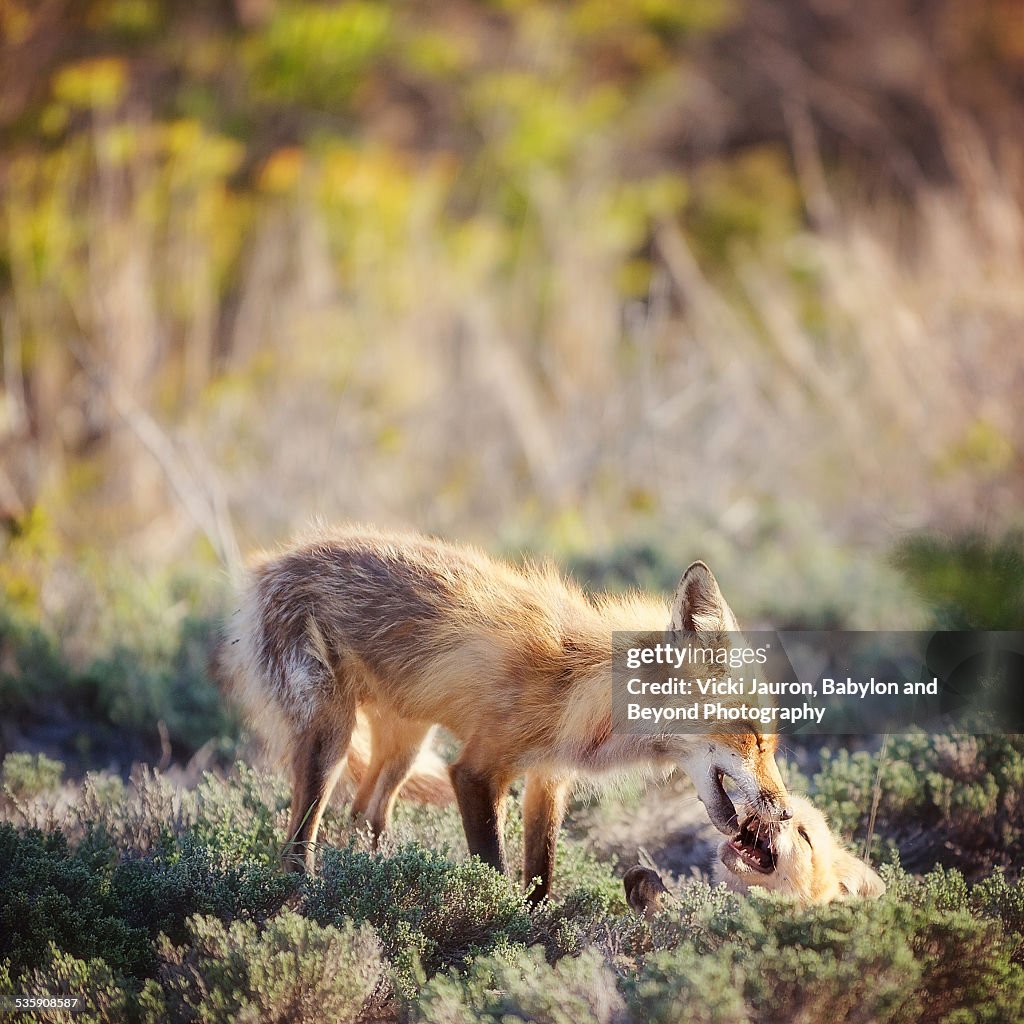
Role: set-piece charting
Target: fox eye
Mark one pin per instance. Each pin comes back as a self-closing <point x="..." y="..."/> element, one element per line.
<point x="806" y="837"/>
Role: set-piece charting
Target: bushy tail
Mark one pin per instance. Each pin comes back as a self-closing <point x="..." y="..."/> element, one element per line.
<point x="428" y="781"/>
<point x="235" y="665"/>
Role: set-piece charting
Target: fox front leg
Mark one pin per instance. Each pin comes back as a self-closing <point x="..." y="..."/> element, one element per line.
<point x="482" y="805"/>
<point x="543" y="810"/>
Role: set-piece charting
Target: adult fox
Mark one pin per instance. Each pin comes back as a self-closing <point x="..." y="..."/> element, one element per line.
<point x="514" y="661"/>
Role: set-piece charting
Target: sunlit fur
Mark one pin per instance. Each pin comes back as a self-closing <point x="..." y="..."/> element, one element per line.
<point x="811" y="864"/>
<point x="426" y="783"/>
<point x="514" y="661"/>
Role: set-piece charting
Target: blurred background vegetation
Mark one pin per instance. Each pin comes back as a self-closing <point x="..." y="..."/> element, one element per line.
<point x="625" y="283"/>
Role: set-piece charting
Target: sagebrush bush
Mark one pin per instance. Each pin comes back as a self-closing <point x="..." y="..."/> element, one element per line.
<point x="162" y="903"/>
<point x="566" y="925"/>
<point x="953" y="800"/>
<point x="969" y="581"/>
<point x="929" y="950"/>
<point x="996" y="897"/>
<point x="292" y="970"/>
<point x="683" y="984"/>
<point x="101" y="693"/>
<point x="50" y="893"/>
<point x="33" y="668"/>
<point x="238" y="820"/>
<point x="429" y="912"/>
<point x="24" y="776"/>
<point x="823" y="963"/>
<point x="160" y="892"/>
<point x="89" y="903"/>
<point x="102" y="994"/>
<point x="522" y="986"/>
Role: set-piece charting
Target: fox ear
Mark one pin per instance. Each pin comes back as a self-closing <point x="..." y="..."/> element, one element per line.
<point x="698" y="605"/>
<point x="857" y="879"/>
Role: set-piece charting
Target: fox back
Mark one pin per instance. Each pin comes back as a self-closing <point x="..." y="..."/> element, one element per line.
<point x="433" y="631"/>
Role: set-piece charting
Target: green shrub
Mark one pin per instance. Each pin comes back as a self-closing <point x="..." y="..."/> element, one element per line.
<point x="50" y="894"/>
<point x="166" y="904"/>
<point x="102" y="994"/>
<point x="85" y="903"/>
<point x="110" y="700"/>
<point x="161" y="678"/>
<point x="32" y="668"/>
<point x="566" y="925"/>
<point x="930" y="950"/>
<point x="970" y="582"/>
<point x="704" y="915"/>
<point x="838" y="962"/>
<point x="523" y="987"/>
<point x="579" y="867"/>
<point x="236" y="819"/>
<point x="292" y="970"/>
<point x="24" y="776"/>
<point x="437" y="828"/>
<point x="682" y="984"/>
<point x="428" y="912"/>
<point x="160" y="892"/>
<point x="954" y="800"/>
<point x="996" y="897"/>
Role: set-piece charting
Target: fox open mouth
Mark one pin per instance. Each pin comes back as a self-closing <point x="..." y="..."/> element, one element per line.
<point x="753" y="845"/>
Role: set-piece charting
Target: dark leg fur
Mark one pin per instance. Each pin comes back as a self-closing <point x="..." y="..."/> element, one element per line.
<point x="316" y="765"/>
<point x="482" y="804"/>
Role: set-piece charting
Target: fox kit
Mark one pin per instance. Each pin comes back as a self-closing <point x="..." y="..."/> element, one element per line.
<point x="515" y="662"/>
<point x="800" y="858"/>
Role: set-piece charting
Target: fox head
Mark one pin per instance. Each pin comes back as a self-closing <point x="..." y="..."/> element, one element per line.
<point x="746" y="756"/>
<point x="800" y="858"/>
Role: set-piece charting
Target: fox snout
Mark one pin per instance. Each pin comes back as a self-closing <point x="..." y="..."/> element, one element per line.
<point x="775" y="806"/>
<point x="754" y="773"/>
<point x="772" y="804"/>
<point x="773" y="800"/>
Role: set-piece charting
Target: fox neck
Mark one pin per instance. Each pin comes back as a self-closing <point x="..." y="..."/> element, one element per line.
<point x="591" y="744"/>
<point x="585" y="733"/>
<point x="624" y="752"/>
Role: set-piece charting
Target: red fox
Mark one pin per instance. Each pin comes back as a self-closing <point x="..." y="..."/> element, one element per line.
<point x="799" y="858"/>
<point x="514" y="661"/>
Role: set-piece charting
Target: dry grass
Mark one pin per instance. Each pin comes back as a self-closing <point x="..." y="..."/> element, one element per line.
<point x="861" y="381"/>
<point x="342" y="345"/>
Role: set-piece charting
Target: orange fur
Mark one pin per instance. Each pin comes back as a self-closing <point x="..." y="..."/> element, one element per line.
<point x="811" y="864"/>
<point x="427" y="782"/>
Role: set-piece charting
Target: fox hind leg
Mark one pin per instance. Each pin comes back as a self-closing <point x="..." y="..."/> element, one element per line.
<point x="395" y="743"/>
<point x="317" y="761"/>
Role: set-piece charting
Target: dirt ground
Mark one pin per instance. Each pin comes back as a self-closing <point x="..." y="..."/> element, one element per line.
<point x="663" y="826"/>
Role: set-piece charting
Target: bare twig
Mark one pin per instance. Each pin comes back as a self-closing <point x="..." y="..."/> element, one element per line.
<point x="876" y="796"/>
<point x="206" y="510"/>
